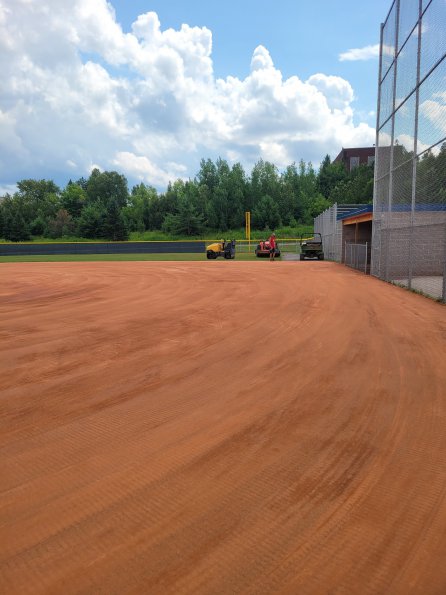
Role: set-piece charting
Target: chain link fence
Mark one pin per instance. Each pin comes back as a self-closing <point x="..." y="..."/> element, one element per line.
<point x="329" y="225"/>
<point x="356" y="256"/>
<point x="409" y="221"/>
<point x="330" y="228"/>
<point x="285" y="245"/>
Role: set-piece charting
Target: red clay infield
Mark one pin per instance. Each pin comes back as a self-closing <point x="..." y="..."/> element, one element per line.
<point x="220" y="427"/>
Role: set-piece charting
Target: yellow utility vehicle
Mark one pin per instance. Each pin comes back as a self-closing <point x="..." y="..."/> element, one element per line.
<point x="221" y="248"/>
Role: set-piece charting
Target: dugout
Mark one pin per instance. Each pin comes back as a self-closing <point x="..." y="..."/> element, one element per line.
<point x="329" y="225"/>
<point x="357" y="238"/>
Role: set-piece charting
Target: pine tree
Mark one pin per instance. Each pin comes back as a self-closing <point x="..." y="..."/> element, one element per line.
<point x="15" y="228"/>
<point x="114" y="227"/>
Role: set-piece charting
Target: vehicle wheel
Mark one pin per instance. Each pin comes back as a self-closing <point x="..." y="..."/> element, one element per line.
<point x="209" y="255"/>
<point x="321" y="257"/>
<point x="301" y="256"/>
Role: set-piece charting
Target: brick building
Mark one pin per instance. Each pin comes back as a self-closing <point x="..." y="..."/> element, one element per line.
<point x="351" y="158"/>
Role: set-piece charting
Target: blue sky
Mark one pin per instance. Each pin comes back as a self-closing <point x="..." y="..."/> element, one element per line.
<point x="150" y="87"/>
<point x="302" y="37"/>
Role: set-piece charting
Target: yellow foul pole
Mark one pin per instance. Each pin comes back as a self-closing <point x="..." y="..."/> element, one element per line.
<point x="248" y="228"/>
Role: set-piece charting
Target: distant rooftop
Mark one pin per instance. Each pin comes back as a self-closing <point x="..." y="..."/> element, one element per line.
<point x="352" y="157"/>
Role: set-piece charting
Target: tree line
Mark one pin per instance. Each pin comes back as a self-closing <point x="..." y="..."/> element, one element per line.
<point x="102" y="207"/>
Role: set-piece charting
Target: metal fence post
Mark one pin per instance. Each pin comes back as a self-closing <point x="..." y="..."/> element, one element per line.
<point x="444" y="267"/>
<point x="392" y="142"/>
<point x="415" y="152"/>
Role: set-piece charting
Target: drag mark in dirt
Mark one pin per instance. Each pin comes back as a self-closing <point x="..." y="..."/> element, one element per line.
<point x="219" y="427"/>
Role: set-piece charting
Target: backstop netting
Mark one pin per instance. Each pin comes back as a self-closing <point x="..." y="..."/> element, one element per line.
<point x="409" y="222"/>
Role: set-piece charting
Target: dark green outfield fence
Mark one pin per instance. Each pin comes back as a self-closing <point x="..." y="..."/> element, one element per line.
<point x="191" y="247"/>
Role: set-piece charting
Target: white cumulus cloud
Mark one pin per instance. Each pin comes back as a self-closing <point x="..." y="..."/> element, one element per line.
<point x="368" y="52"/>
<point x="77" y="89"/>
<point x="435" y="113"/>
<point x="144" y="170"/>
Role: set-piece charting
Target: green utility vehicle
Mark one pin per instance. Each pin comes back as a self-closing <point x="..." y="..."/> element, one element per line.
<point x="311" y="247"/>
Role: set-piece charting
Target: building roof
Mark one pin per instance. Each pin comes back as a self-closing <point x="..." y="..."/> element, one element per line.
<point x="358" y="216"/>
<point x="344" y="211"/>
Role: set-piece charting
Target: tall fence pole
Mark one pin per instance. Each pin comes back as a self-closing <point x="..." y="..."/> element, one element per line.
<point x="444" y="266"/>
<point x="415" y="151"/>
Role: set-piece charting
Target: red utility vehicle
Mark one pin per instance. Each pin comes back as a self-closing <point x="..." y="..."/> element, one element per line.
<point x="263" y="249"/>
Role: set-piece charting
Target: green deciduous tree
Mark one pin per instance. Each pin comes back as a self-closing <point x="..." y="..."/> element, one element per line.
<point x="357" y="187"/>
<point x="316" y="207"/>
<point x="38" y="198"/>
<point x="106" y="187"/>
<point x="291" y="188"/>
<point x="219" y="195"/>
<point x="73" y="199"/>
<point x="330" y="175"/>
<point x="264" y="182"/>
<point x="431" y="177"/>
<point x="266" y="214"/>
<point x="140" y="213"/>
<point x="207" y="175"/>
